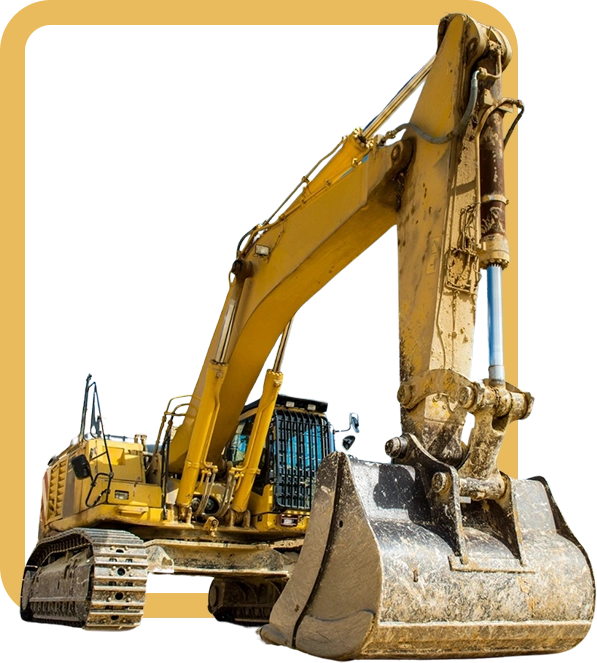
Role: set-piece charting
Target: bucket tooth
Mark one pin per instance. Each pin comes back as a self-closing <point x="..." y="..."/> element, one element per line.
<point x="377" y="579"/>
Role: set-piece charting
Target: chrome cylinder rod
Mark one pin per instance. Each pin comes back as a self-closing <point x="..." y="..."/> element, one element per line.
<point x="497" y="371"/>
<point x="398" y="100"/>
<point x="226" y="331"/>
<point x="282" y="347"/>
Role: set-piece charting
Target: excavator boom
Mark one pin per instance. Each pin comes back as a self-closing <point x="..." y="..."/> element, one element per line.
<point x="287" y="263"/>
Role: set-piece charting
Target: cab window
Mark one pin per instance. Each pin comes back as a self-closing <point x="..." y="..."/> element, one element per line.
<point x="238" y="446"/>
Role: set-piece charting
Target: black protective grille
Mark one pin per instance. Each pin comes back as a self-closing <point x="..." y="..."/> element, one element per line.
<point x="302" y="441"/>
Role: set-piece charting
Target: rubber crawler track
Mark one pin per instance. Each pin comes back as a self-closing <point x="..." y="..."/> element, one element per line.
<point x="87" y="578"/>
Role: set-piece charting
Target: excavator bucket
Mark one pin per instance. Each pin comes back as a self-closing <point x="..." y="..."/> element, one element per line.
<point x="382" y="576"/>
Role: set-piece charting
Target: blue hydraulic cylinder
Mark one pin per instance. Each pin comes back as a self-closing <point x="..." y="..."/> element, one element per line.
<point x="497" y="372"/>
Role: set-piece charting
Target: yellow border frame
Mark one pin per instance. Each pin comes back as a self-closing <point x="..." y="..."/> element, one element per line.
<point x="12" y="205"/>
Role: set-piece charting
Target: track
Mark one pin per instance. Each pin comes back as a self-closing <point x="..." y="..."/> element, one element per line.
<point x="244" y="600"/>
<point x="87" y="578"/>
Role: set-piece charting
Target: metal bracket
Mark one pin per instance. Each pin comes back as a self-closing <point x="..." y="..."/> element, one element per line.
<point x="443" y="489"/>
<point x="494" y="406"/>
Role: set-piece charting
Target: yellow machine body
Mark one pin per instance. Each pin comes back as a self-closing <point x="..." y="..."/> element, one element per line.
<point x="110" y="515"/>
<point x="127" y="496"/>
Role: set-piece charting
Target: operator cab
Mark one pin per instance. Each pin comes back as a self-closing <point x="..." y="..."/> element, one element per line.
<point x="299" y="438"/>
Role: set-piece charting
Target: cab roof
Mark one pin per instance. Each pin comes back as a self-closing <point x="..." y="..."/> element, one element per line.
<point x="307" y="404"/>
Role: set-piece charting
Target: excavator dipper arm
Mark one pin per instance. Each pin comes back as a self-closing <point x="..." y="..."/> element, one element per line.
<point x="439" y="555"/>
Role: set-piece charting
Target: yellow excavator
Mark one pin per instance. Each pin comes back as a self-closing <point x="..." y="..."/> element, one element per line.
<point x="433" y="554"/>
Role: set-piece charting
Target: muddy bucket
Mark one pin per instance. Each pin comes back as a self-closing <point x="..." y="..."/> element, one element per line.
<point x="379" y="577"/>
